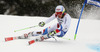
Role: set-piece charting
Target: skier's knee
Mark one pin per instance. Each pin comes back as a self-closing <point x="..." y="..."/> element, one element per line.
<point x="61" y="34"/>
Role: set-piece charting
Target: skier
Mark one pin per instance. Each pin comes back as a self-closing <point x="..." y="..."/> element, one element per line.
<point x="58" y="29"/>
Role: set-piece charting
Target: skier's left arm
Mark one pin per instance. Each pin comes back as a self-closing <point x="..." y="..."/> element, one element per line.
<point x="41" y="24"/>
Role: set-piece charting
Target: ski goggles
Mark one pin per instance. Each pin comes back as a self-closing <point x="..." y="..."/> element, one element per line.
<point x="59" y="13"/>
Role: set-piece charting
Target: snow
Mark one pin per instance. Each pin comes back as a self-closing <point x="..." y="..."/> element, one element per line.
<point x="88" y="34"/>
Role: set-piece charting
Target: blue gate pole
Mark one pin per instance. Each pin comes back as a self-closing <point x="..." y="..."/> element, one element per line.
<point x="79" y="20"/>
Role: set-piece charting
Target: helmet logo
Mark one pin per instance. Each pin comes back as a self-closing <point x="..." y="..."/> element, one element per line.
<point x="58" y="9"/>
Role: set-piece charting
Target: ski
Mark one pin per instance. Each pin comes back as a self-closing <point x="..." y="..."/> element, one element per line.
<point x="14" y="38"/>
<point x="39" y="39"/>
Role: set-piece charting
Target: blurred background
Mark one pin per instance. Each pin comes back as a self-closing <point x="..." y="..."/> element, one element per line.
<point x="46" y="8"/>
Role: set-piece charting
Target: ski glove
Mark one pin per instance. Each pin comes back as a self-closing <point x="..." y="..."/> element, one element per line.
<point x="52" y="33"/>
<point x="41" y="24"/>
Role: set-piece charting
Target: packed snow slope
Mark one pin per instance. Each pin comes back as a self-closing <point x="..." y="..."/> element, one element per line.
<point x="87" y="40"/>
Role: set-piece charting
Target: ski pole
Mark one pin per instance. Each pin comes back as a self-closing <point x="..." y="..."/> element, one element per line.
<point x="26" y="28"/>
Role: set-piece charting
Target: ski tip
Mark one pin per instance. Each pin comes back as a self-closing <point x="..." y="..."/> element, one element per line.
<point x="5" y="40"/>
<point x="28" y="43"/>
<point x="9" y="39"/>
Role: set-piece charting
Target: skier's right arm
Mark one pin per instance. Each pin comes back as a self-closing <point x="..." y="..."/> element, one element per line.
<point x="41" y="24"/>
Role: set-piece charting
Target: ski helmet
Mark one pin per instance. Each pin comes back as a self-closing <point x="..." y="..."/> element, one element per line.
<point x="60" y="9"/>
